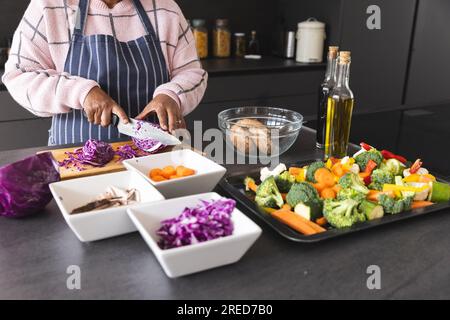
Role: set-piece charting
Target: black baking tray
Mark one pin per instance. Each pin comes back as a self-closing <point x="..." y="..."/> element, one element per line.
<point x="234" y="186"/>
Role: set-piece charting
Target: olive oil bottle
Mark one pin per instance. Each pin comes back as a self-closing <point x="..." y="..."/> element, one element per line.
<point x="339" y="111"/>
<point x="324" y="92"/>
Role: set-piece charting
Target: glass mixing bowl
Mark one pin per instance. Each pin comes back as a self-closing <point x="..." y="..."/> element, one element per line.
<point x="260" y="131"/>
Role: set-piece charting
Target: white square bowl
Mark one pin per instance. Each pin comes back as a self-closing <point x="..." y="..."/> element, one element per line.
<point x="208" y="173"/>
<point x="182" y="261"/>
<point x="100" y="224"/>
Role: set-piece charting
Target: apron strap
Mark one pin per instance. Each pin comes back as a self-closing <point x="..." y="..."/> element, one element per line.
<point x="82" y="16"/>
<point x="145" y="19"/>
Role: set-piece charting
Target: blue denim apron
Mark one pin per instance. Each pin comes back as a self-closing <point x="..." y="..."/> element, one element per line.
<point x="128" y="71"/>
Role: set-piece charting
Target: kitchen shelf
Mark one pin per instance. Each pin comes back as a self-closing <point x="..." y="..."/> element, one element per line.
<point x="233" y="66"/>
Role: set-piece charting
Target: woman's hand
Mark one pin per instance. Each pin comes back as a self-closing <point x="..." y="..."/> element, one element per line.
<point x="167" y="110"/>
<point x="99" y="107"/>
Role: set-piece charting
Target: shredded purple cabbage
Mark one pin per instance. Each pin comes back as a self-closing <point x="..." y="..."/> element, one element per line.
<point x="95" y="153"/>
<point x="126" y="152"/>
<point x="207" y="221"/>
<point x="148" y="145"/>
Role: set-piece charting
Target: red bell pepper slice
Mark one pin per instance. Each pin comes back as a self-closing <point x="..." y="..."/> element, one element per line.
<point x="389" y="155"/>
<point x="366" y="175"/>
<point x="366" y="146"/>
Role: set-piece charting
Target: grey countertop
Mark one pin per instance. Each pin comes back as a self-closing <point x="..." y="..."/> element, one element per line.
<point x="413" y="256"/>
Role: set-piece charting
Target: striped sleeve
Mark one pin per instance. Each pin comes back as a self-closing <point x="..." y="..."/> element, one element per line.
<point x="188" y="79"/>
<point x="31" y="76"/>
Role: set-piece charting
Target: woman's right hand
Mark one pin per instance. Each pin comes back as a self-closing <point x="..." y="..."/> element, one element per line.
<point x="99" y="108"/>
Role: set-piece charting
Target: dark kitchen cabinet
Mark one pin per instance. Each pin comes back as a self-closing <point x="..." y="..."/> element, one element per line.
<point x="379" y="56"/>
<point x="430" y="63"/>
<point x="425" y="134"/>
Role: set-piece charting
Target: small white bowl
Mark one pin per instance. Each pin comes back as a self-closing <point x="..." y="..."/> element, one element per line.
<point x="100" y="224"/>
<point x="182" y="261"/>
<point x="207" y="172"/>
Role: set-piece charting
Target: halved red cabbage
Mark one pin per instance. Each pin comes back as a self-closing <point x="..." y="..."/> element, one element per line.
<point x="207" y="221"/>
<point x="24" y="185"/>
<point x="148" y="145"/>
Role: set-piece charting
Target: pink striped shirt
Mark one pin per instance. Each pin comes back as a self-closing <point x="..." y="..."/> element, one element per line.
<point x="34" y="73"/>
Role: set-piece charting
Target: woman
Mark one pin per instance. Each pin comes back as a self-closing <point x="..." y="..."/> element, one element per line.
<point x="80" y="61"/>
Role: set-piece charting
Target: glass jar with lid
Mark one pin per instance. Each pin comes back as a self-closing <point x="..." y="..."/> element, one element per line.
<point x="201" y="37"/>
<point x="240" y="45"/>
<point x="222" y="39"/>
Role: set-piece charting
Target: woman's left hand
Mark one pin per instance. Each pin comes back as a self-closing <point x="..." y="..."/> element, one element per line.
<point x="167" y="110"/>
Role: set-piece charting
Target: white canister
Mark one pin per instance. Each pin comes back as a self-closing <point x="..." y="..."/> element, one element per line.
<point x="310" y="41"/>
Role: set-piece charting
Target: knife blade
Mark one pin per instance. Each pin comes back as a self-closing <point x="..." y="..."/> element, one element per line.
<point x="144" y="130"/>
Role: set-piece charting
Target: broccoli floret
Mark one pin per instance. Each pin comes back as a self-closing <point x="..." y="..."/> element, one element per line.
<point x="353" y="181"/>
<point x="285" y="181"/>
<point x="363" y="158"/>
<point x="342" y="214"/>
<point x="312" y="168"/>
<point x="268" y="195"/>
<point x="305" y="193"/>
<point x="394" y="206"/>
<point x="393" y="166"/>
<point x="381" y="177"/>
<point x="350" y="193"/>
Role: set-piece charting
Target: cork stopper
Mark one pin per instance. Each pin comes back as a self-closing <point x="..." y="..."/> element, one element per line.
<point x="344" y="57"/>
<point x="333" y="52"/>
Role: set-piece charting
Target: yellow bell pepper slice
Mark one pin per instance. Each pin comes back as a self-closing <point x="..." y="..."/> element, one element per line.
<point x="329" y="164"/>
<point x="395" y="188"/>
<point x="420" y="178"/>
<point x="301" y="176"/>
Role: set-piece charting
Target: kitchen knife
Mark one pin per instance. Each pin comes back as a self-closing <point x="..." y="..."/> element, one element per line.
<point x="144" y="130"/>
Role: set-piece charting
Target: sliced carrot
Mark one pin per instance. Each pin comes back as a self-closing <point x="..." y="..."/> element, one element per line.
<point x="294" y="221"/>
<point x="174" y="177"/>
<point x="421" y="204"/>
<point x="269" y="210"/>
<point x="328" y="193"/>
<point x="319" y="186"/>
<point x="337" y="188"/>
<point x="338" y="170"/>
<point x="158" y="178"/>
<point x="374" y="194"/>
<point x="155" y="172"/>
<point x="325" y="177"/>
<point x="250" y="184"/>
<point x="316" y="227"/>
<point x="182" y="171"/>
<point x="322" y="221"/>
<point x="168" y="171"/>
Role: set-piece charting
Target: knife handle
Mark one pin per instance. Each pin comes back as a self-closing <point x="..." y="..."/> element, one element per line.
<point x="115" y="120"/>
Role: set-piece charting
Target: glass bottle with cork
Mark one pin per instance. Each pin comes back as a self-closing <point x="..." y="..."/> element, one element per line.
<point x="253" y="45"/>
<point x="222" y="39"/>
<point x="339" y="110"/>
<point x="324" y="91"/>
